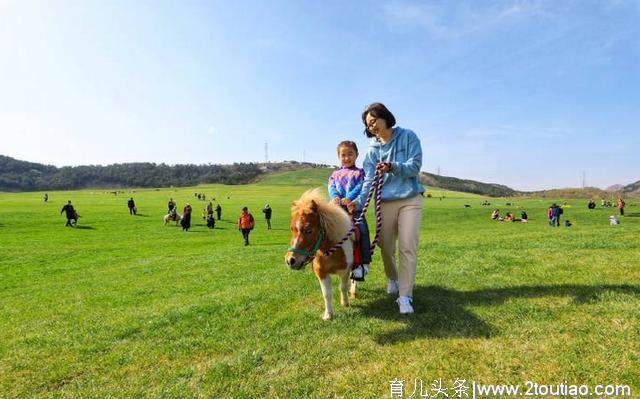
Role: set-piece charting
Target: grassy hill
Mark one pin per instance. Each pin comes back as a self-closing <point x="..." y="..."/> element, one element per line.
<point x="123" y="306"/>
<point x="318" y="177"/>
<point x="632" y="189"/>
<point x="16" y="176"/>
<point x="311" y="177"/>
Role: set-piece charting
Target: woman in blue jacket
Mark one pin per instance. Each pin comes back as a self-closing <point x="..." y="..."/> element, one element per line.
<point x="396" y="152"/>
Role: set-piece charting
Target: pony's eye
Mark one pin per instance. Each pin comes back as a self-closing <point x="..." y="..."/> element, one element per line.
<point x="307" y="232"/>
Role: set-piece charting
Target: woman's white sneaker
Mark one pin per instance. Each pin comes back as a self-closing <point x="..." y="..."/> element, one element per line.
<point x="393" y="287"/>
<point x="404" y="302"/>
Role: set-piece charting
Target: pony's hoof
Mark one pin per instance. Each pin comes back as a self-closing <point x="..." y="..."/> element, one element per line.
<point x="353" y="295"/>
<point x="344" y="303"/>
<point x="327" y="316"/>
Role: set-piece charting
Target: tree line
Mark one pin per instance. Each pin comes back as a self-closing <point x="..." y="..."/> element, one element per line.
<point x="16" y="175"/>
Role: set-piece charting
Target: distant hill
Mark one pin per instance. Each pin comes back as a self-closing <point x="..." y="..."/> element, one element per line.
<point x="467" y="186"/>
<point x="632" y="190"/>
<point x="16" y="175"/>
<point x="586" y="193"/>
<point x="615" y="187"/>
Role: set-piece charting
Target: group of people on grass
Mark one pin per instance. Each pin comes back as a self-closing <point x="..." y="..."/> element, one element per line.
<point x="509" y="217"/>
<point x="554" y="213"/>
<point x="607" y="204"/>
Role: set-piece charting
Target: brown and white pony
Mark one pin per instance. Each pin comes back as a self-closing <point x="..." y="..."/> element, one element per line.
<point x="316" y="226"/>
<point x="168" y="218"/>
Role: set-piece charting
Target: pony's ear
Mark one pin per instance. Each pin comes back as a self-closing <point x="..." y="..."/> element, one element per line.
<point x="314" y="206"/>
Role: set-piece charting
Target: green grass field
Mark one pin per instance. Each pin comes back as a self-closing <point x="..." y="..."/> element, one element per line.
<point x="123" y="306"/>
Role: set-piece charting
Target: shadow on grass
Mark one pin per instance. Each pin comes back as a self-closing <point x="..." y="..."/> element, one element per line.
<point x="142" y="215"/>
<point x="632" y="215"/>
<point x="85" y="228"/>
<point x="442" y="313"/>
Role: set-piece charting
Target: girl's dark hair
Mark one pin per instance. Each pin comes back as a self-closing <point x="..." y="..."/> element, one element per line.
<point x="378" y="111"/>
<point x="348" y="143"/>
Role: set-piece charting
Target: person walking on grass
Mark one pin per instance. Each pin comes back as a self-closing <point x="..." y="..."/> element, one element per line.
<point x="70" y="212"/>
<point x="186" y="218"/>
<point x="246" y="223"/>
<point x="397" y="154"/>
<point x="267" y="215"/>
<point x="621" y="205"/>
<point x="218" y="211"/>
<point x="132" y="206"/>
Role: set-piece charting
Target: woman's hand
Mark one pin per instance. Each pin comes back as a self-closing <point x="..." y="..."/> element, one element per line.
<point x="336" y="201"/>
<point x="384" y="167"/>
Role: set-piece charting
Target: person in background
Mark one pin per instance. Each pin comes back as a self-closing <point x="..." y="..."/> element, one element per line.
<point x="621" y="205"/>
<point x="186" y="218"/>
<point x="132" y="206"/>
<point x="246" y="223"/>
<point x="70" y="212"/>
<point x="267" y="215"/>
<point x="495" y="215"/>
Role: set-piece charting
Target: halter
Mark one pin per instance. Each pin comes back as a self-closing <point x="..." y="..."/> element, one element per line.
<point x="309" y="254"/>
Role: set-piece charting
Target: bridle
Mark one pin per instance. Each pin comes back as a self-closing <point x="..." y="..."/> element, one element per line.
<point x="312" y="253"/>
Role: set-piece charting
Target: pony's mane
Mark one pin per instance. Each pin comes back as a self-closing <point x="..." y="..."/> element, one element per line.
<point x="334" y="219"/>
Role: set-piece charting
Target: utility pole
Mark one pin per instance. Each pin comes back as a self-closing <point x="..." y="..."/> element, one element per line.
<point x="266" y="152"/>
<point x="584" y="179"/>
<point x="304" y="156"/>
<point x="438" y="170"/>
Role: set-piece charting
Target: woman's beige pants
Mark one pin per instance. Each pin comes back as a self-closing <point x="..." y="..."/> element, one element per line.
<point x="401" y="222"/>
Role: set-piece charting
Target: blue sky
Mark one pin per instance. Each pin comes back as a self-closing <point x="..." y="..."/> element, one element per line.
<point x="524" y="93"/>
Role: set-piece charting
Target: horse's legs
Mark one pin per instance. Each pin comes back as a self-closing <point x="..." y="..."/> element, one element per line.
<point x="325" y="286"/>
<point x="344" y="288"/>
<point x="354" y="289"/>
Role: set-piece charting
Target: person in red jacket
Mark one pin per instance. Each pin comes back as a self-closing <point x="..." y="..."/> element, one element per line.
<point x="621" y="205"/>
<point x="246" y="224"/>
